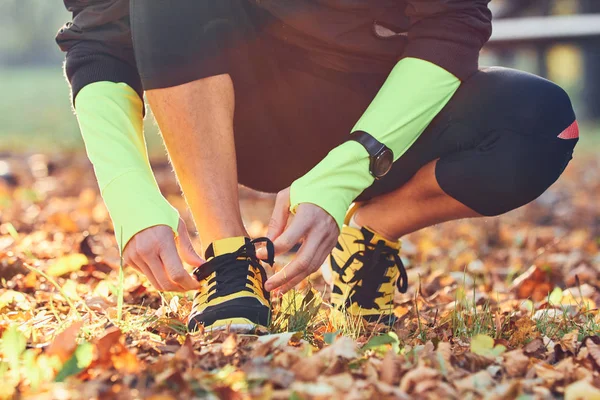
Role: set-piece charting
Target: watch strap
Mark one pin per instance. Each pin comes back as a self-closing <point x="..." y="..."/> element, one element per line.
<point x="372" y="145"/>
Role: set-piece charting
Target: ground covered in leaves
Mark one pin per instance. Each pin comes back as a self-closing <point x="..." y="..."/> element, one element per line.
<point x="499" y="308"/>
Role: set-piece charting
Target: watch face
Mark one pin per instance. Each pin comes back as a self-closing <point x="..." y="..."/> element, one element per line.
<point x="383" y="163"/>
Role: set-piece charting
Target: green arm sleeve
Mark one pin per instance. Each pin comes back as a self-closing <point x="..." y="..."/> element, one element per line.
<point x="110" y="117"/>
<point x="414" y="93"/>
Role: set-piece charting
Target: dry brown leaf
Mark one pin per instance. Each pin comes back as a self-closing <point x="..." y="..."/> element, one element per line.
<point x="594" y="352"/>
<point x="516" y="363"/>
<point x="444" y="357"/>
<point x="479" y="382"/>
<point x="388" y="370"/>
<point x="533" y="283"/>
<point x="65" y="343"/>
<point x="582" y="390"/>
<point x="509" y="390"/>
<point x="419" y="374"/>
<point x="525" y="330"/>
<point x="308" y="369"/>
<point x="186" y="352"/>
<point x="568" y="343"/>
<point x="343" y="347"/>
<point x="548" y="373"/>
<point x="229" y="346"/>
<point x="124" y="360"/>
<point x="342" y="382"/>
<point x="535" y="348"/>
<point x="106" y="342"/>
<point x="401" y="311"/>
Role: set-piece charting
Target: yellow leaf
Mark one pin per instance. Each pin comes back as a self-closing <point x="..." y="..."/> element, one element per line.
<point x="13" y="297"/>
<point x="582" y="390"/>
<point x="555" y="297"/>
<point x="483" y="345"/>
<point x="230" y="345"/>
<point x="67" y="264"/>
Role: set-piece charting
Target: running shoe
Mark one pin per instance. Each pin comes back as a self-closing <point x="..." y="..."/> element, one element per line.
<point x="232" y="295"/>
<point x="366" y="269"/>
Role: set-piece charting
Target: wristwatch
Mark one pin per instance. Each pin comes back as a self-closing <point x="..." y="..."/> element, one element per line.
<point x="382" y="157"/>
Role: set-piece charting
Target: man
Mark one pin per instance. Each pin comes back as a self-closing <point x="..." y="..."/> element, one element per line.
<point x="328" y="102"/>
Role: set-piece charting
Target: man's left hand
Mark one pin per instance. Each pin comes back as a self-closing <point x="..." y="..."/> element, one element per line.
<point x="313" y="226"/>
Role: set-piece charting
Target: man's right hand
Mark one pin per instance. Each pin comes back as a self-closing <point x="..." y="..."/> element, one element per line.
<point x="156" y="253"/>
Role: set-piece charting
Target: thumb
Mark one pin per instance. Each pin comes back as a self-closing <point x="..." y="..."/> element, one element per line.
<point x="184" y="246"/>
<point x="278" y="221"/>
<point x="281" y="213"/>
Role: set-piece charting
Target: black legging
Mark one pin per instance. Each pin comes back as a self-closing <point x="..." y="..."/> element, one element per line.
<point x="497" y="140"/>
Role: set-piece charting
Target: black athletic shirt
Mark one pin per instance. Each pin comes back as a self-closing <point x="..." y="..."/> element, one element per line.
<point x="350" y="35"/>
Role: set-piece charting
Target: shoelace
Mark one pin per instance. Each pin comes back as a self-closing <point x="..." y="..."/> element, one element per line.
<point x="231" y="276"/>
<point x="372" y="256"/>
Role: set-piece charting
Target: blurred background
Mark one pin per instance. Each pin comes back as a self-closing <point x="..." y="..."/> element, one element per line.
<point x="558" y="39"/>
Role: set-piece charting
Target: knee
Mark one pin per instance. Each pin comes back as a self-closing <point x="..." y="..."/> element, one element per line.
<point x="528" y="171"/>
<point x="527" y="103"/>
<point x="550" y="109"/>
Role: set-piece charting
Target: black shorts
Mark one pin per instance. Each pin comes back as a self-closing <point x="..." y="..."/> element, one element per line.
<point x="501" y="141"/>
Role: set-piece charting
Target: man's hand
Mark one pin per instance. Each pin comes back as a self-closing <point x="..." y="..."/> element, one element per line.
<point x="312" y="225"/>
<point x="156" y="253"/>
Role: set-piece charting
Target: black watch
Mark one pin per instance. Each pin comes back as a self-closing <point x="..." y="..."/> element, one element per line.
<point x="382" y="158"/>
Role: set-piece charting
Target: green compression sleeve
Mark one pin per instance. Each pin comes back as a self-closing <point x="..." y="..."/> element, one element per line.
<point x="414" y="93"/>
<point x="110" y="117"/>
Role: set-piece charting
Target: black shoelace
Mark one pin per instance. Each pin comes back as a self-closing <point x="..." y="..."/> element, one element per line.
<point x="232" y="269"/>
<point x="376" y="259"/>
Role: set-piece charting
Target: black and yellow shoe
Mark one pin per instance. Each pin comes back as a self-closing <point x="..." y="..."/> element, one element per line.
<point x="366" y="268"/>
<point x="232" y="295"/>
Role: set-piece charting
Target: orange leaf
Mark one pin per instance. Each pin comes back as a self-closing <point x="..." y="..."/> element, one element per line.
<point x="65" y="343"/>
<point x="230" y="345"/>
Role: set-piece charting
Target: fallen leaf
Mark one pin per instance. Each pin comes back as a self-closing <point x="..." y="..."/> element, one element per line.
<point x="594" y="352"/>
<point x="229" y="346"/>
<point x="479" y="382"/>
<point x="444" y="357"/>
<point x="18" y="299"/>
<point x="568" y="343"/>
<point x="483" y="345"/>
<point x="419" y="374"/>
<point x="516" y="363"/>
<point x="67" y="264"/>
<point x="186" y="352"/>
<point x="548" y="373"/>
<point x="309" y="368"/>
<point x="582" y="390"/>
<point x="343" y="347"/>
<point x="535" y="347"/>
<point x="533" y="283"/>
<point x="278" y="340"/>
<point x="65" y="343"/>
<point x="389" y="370"/>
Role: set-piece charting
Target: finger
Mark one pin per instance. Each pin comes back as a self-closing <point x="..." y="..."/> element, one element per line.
<point x="139" y="264"/>
<point x="320" y="255"/>
<point x="299" y="268"/>
<point x="160" y="273"/>
<point x="279" y="218"/>
<point x="290" y="285"/>
<point x="185" y="248"/>
<point x="292" y="235"/>
<point x="174" y="268"/>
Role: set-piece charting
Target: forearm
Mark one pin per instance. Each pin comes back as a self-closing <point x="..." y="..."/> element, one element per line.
<point x="444" y="41"/>
<point x="414" y="93"/>
<point x="110" y="117"/>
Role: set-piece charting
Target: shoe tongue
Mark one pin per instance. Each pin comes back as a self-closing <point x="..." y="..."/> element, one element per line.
<point x="374" y="237"/>
<point x="224" y="246"/>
